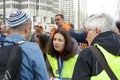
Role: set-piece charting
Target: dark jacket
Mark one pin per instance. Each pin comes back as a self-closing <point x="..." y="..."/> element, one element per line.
<point x="87" y="65"/>
<point x="79" y="37"/>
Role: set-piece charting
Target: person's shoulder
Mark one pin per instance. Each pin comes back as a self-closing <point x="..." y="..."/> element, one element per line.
<point x="47" y="34"/>
<point x="86" y="52"/>
<point x="85" y="55"/>
<point x="30" y="45"/>
<point x="73" y="40"/>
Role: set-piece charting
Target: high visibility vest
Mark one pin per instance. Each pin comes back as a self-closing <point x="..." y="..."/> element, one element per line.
<point x="67" y="69"/>
<point x="113" y="62"/>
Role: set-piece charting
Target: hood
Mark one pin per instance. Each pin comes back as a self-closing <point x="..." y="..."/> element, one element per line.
<point x="75" y="47"/>
<point x="109" y="41"/>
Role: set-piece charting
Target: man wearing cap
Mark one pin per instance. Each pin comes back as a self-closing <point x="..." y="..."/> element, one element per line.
<point x="33" y="65"/>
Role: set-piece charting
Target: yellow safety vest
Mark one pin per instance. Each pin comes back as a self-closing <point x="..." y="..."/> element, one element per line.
<point x="113" y="62"/>
<point x="67" y="69"/>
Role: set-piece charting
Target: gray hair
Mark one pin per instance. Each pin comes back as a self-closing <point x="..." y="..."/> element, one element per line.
<point x="103" y="21"/>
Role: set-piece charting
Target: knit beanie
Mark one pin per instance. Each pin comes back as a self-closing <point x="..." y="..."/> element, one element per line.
<point x="16" y="18"/>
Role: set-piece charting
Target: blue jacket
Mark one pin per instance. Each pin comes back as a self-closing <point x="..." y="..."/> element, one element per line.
<point x="1" y="38"/>
<point x="33" y="64"/>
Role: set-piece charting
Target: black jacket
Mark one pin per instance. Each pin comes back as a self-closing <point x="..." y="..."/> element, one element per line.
<point x="87" y="65"/>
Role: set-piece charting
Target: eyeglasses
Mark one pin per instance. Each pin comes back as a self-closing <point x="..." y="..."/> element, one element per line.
<point x="86" y="31"/>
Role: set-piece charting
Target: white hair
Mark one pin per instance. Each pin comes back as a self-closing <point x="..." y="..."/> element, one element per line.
<point x="103" y="21"/>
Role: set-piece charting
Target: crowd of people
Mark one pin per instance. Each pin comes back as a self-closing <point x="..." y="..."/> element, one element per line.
<point x="57" y="55"/>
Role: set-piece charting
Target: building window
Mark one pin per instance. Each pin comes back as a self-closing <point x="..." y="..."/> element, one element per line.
<point x="32" y="0"/>
<point x="37" y="1"/>
<point x="7" y="6"/>
<point x="1" y="6"/>
<point x="15" y="6"/>
<point x="15" y="0"/>
<point x="24" y="6"/>
<point x="43" y="7"/>
<point x="23" y="0"/>
<point x="32" y="6"/>
<point x="37" y="6"/>
<point x="43" y="1"/>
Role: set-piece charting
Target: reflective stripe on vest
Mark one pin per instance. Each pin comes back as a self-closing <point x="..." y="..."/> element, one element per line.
<point x="113" y="62"/>
<point x="68" y="67"/>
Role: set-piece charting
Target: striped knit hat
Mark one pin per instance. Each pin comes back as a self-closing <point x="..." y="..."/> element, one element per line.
<point x="16" y="18"/>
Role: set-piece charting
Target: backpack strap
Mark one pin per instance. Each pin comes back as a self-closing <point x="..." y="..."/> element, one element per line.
<point x="103" y="62"/>
<point x="5" y="41"/>
<point x="20" y="42"/>
<point x="15" y="49"/>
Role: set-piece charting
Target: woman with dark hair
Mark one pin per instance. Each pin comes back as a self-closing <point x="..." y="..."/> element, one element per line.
<point x="117" y="30"/>
<point x="62" y="54"/>
<point x="42" y="41"/>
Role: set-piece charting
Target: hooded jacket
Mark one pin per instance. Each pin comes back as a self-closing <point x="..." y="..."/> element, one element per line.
<point x="87" y="65"/>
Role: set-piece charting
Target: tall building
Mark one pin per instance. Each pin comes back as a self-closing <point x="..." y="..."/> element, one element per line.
<point x="82" y="12"/>
<point x="74" y="12"/>
<point x="67" y="10"/>
<point x="41" y="11"/>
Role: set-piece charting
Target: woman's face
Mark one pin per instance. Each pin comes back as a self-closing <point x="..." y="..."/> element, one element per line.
<point x="58" y="42"/>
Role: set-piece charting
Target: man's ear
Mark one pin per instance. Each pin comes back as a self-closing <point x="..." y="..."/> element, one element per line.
<point x="27" y="27"/>
<point x="26" y="30"/>
<point x="98" y="31"/>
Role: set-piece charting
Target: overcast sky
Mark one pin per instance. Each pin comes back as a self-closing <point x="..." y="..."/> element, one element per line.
<point x="106" y="6"/>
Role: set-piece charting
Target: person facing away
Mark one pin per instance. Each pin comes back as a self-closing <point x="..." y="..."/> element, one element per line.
<point x="117" y="29"/>
<point x="38" y="30"/>
<point x="52" y="31"/>
<point x="62" y="54"/>
<point x="100" y="33"/>
<point x="33" y="65"/>
<point x="79" y="37"/>
<point x="42" y="41"/>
